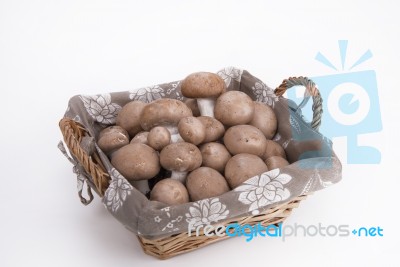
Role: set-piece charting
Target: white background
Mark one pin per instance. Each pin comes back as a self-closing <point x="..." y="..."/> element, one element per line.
<point x="52" y="50"/>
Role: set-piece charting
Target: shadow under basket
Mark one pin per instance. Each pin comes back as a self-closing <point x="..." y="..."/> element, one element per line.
<point x="171" y="246"/>
<point x="167" y="247"/>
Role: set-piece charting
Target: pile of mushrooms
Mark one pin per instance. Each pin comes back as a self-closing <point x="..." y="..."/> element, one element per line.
<point x="200" y="148"/>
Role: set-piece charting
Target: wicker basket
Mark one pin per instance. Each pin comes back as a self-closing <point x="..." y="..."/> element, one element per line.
<point x="170" y="246"/>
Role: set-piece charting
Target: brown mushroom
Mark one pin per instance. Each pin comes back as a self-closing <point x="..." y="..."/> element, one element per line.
<point x="234" y="108"/>
<point x="245" y="139"/>
<point x="204" y="183"/>
<point x="276" y="162"/>
<point x="241" y="167"/>
<point x="205" y="87"/>
<point x="273" y="149"/>
<point x="112" y="138"/>
<point x="138" y="163"/>
<point x="170" y="192"/>
<point x="192" y="104"/>
<point x="158" y="137"/>
<point x="129" y="117"/>
<point x="214" y="128"/>
<point x="180" y="158"/>
<point x="165" y="112"/>
<point x="140" y="138"/>
<point x="264" y="119"/>
<point x="192" y="130"/>
<point x="215" y="155"/>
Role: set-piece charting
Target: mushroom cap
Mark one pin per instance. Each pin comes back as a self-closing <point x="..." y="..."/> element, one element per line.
<point x="215" y="155"/>
<point x="181" y="157"/>
<point x="241" y="167"/>
<point x="163" y="112"/>
<point x="273" y="149"/>
<point x="158" y="137"/>
<point x="170" y="192"/>
<point x="245" y="139"/>
<point x="234" y="108"/>
<point x="136" y="161"/>
<point x="202" y="85"/>
<point x="214" y="128"/>
<point x="129" y="117"/>
<point x="264" y="119"/>
<point x="192" y="104"/>
<point x="204" y="183"/>
<point x="276" y="162"/>
<point x="112" y="138"/>
<point x="192" y="130"/>
<point x="140" y="138"/>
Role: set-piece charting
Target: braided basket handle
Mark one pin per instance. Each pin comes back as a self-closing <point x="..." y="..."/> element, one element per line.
<point x="311" y="90"/>
<point x="73" y="132"/>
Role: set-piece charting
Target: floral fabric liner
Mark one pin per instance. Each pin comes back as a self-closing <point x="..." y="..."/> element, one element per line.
<point x="315" y="166"/>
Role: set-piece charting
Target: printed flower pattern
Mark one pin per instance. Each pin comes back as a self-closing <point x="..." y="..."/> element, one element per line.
<point x="157" y="219"/>
<point x="171" y="221"/>
<point x="170" y="224"/>
<point x="100" y="108"/>
<point x="264" y="94"/>
<point x="263" y="190"/>
<point x="229" y="73"/>
<point x="147" y="94"/>
<point x="117" y="192"/>
<point x="173" y="92"/>
<point x="206" y="211"/>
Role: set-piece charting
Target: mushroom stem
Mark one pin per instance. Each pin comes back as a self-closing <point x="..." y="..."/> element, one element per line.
<point x="206" y="106"/>
<point x="179" y="176"/>
<point x="142" y="186"/>
<point x="175" y="136"/>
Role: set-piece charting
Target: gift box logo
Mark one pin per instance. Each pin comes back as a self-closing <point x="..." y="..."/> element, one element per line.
<point x="351" y="105"/>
